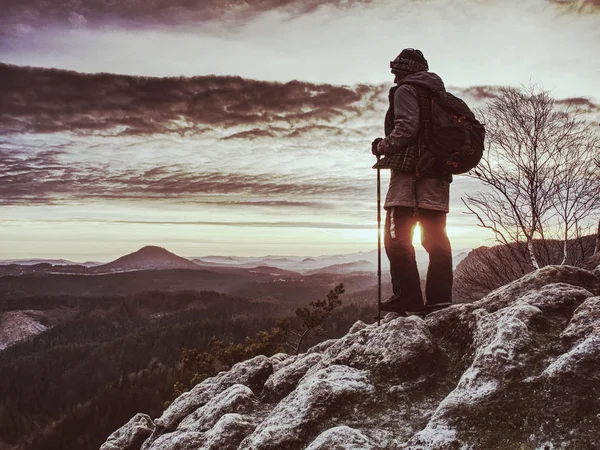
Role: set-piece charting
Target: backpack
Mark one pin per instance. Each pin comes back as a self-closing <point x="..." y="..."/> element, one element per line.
<point x="456" y="137"/>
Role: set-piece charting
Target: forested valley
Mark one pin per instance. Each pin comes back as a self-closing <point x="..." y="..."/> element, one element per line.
<point x="114" y="356"/>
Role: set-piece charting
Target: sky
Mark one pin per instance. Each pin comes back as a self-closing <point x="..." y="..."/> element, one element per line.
<point x="261" y="143"/>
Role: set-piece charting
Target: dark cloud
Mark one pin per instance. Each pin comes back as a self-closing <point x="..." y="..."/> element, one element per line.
<point x="250" y="134"/>
<point x="143" y="13"/>
<point x="486" y="93"/>
<point x="311" y="129"/>
<point x="48" y="100"/>
<point x="579" y="101"/>
<point x="581" y="6"/>
<point x="134" y="13"/>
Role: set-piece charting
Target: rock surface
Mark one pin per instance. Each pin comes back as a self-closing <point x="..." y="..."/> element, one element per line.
<point x="517" y="369"/>
<point x="342" y="438"/>
<point x="131" y="435"/>
<point x="251" y="373"/>
<point x="237" y="398"/>
<point x="285" y="380"/>
<point x="319" y="394"/>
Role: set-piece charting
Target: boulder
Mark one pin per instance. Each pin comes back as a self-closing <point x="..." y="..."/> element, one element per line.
<point x="236" y="399"/>
<point x="342" y="438"/>
<point x="285" y="380"/>
<point x="582" y="339"/>
<point x="187" y="440"/>
<point x="512" y="343"/>
<point x="279" y="360"/>
<point x="228" y="432"/>
<point x="320" y="393"/>
<point x="131" y="435"/>
<point x="399" y="349"/>
<point x="322" y="346"/>
<point x="252" y="373"/>
<point x="360" y="325"/>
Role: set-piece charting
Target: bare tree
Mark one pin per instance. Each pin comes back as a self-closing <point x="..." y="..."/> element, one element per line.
<point x="539" y="169"/>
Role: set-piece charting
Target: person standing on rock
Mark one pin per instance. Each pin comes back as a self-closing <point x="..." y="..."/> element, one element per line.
<point x="414" y="197"/>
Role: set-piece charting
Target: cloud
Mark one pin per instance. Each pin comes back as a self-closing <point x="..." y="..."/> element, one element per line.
<point x="312" y="129"/>
<point x="77" y="20"/>
<point x="138" y="13"/>
<point x="42" y="178"/>
<point x="158" y="12"/>
<point x="48" y="100"/>
<point x="250" y="134"/>
<point x="212" y="140"/>
<point x="273" y="224"/>
<point x="220" y="141"/>
<point x="275" y="203"/>
<point x="483" y="92"/>
<point x="579" y="101"/>
<point x="580" y="6"/>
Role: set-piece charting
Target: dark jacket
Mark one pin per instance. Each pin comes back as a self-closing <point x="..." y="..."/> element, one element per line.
<point x="401" y="146"/>
<point x="406" y="108"/>
<point x="403" y="130"/>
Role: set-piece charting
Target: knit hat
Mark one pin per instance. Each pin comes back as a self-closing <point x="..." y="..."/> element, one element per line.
<point x="409" y="60"/>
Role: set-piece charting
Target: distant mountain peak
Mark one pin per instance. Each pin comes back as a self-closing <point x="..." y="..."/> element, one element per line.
<point x="153" y="250"/>
<point x="150" y="257"/>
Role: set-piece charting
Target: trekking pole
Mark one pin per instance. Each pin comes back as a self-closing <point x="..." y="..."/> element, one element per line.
<point x="378" y="245"/>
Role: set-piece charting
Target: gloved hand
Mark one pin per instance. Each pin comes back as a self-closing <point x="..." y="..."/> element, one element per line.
<point x="374" y="147"/>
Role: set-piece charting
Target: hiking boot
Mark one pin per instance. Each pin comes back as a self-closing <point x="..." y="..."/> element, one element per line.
<point x="392" y="304"/>
<point x="397" y="305"/>
<point x="427" y="309"/>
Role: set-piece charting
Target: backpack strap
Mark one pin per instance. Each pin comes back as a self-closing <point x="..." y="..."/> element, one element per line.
<point x="424" y="158"/>
<point x="389" y="115"/>
<point x="427" y="163"/>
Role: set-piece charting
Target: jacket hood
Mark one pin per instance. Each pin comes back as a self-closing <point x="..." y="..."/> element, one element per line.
<point x="427" y="80"/>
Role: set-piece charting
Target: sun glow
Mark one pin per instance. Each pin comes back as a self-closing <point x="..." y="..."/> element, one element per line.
<point x="416" y="238"/>
<point x="369" y="236"/>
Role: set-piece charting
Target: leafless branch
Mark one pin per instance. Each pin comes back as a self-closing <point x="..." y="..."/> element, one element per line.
<point x="541" y="179"/>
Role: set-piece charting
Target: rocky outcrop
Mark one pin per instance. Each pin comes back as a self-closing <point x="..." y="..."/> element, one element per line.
<point x="237" y="398"/>
<point x="317" y="397"/>
<point x="252" y="374"/>
<point x="517" y="369"/>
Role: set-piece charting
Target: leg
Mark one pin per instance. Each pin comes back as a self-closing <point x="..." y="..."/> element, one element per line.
<point x="399" y="228"/>
<point x="435" y="241"/>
